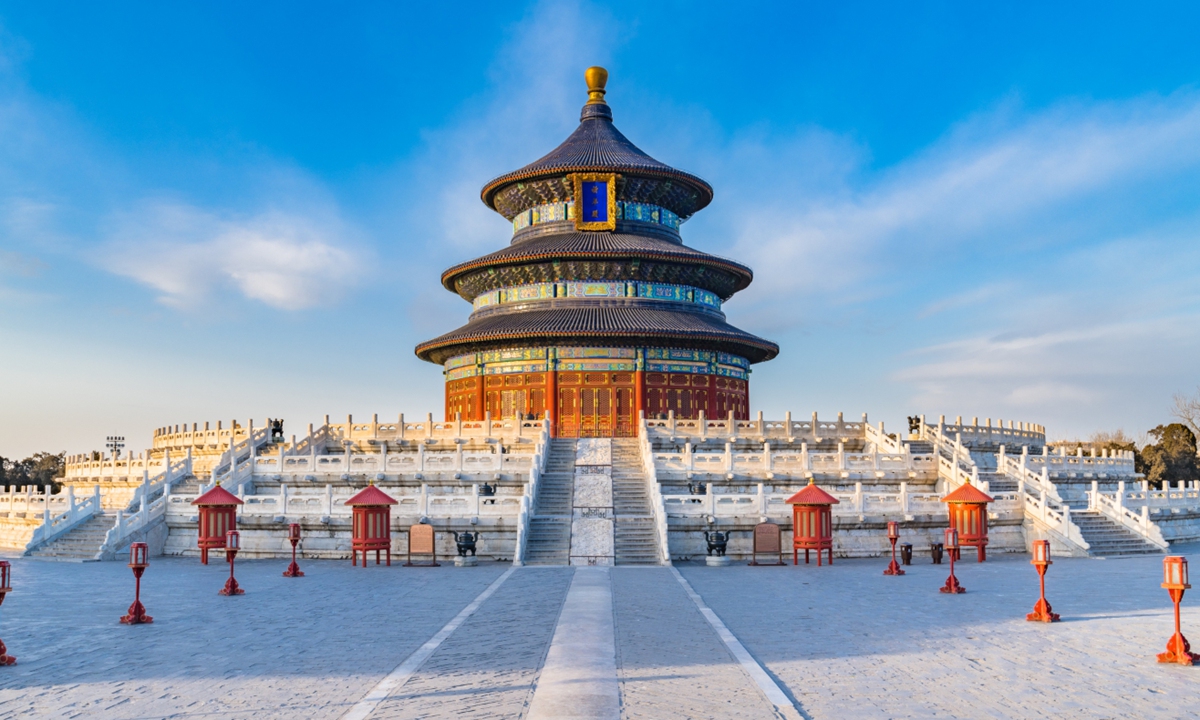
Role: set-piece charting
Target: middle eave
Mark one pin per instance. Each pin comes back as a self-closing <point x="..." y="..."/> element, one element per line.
<point x="579" y="245"/>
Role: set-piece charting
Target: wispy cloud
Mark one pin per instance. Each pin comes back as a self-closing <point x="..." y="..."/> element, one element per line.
<point x="1000" y="180"/>
<point x="284" y="260"/>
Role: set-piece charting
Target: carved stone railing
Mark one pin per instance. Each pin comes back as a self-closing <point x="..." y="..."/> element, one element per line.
<point x="904" y="504"/>
<point x="148" y="507"/>
<point x="74" y="514"/>
<point x="1116" y="506"/>
<point x="536" y="468"/>
<point x="882" y="441"/>
<point x="771" y="463"/>
<point x="703" y="428"/>
<point x="971" y="434"/>
<point x="657" y="503"/>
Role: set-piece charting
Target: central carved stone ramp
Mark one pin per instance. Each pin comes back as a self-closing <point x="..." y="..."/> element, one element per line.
<point x="550" y="527"/>
<point x="1107" y="538"/>
<point x="79" y="545"/>
<point x="634" y="537"/>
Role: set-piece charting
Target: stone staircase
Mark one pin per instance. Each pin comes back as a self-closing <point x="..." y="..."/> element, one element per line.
<point x="919" y="447"/>
<point x="1107" y="538"/>
<point x="79" y="545"/>
<point x="635" y="539"/>
<point x="998" y="482"/>
<point x="549" y="541"/>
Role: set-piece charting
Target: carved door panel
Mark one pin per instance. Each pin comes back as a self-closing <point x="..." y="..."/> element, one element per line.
<point x="512" y="404"/>
<point x="587" y="412"/>
<point x="568" y="412"/>
<point x="625" y="417"/>
<point x="604" y="412"/>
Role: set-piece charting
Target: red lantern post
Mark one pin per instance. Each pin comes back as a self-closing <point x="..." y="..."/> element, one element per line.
<point x="218" y="515"/>
<point x="5" y="589"/>
<point x="372" y="528"/>
<point x="138" y="562"/>
<point x="1175" y="580"/>
<point x="1041" y="560"/>
<point x="233" y="543"/>
<point x="294" y="536"/>
<point x="812" y="522"/>
<point x="893" y="568"/>
<point x="952" y="585"/>
<point x="968" y="514"/>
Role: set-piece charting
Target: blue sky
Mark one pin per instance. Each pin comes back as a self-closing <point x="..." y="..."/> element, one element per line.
<point x="217" y="210"/>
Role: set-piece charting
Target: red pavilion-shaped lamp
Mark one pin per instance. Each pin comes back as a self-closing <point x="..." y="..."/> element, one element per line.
<point x="218" y="515"/>
<point x="1175" y="582"/>
<point x="969" y="515"/>
<point x="138" y="562"/>
<point x="372" y="524"/>
<point x="5" y="589"/>
<point x="1042" y="612"/>
<point x="812" y="522"/>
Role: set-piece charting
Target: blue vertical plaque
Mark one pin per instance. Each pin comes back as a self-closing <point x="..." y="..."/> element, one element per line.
<point x="595" y="201"/>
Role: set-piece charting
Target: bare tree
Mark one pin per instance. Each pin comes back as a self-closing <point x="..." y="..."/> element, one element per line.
<point x="1187" y="409"/>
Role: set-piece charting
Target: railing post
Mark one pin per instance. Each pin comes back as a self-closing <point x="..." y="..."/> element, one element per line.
<point x="1093" y="501"/>
<point x="841" y="455"/>
<point x="762" y="501"/>
<point x="283" y="499"/>
<point x="424" y="499"/>
<point x="767" y="464"/>
<point x="329" y="500"/>
<point x="710" y="500"/>
<point x="728" y="457"/>
<point x="858" y="498"/>
<point x="904" y="498"/>
<point x="1120" y="495"/>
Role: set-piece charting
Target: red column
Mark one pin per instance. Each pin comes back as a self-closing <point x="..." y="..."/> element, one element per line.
<point x="552" y="391"/>
<point x="639" y="392"/>
<point x="477" y="411"/>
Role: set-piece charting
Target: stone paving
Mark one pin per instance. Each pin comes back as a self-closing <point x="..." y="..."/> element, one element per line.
<point x="842" y="641"/>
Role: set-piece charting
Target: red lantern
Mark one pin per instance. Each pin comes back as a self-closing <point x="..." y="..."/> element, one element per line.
<point x="952" y="585"/>
<point x="5" y="589"/>
<point x="1041" y="561"/>
<point x="372" y="528"/>
<point x="1175" y="581"/>
<point x="293" y="536"/>
<point x="893" y="568"/>
<point x="218" y="515"/>
<point x="968" y="514"/>
<point x="812" y="522"/>
<point x="138" y="562"/>
<point x="233" y="543"/>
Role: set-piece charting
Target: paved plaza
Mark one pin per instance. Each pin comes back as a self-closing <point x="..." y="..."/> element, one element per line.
<point x="831" y="642"/>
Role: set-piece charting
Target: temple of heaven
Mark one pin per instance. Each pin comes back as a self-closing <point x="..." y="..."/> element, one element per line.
<point x="596" y="311"/>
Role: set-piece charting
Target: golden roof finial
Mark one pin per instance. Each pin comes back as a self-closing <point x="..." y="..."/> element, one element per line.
<point x="597" y="78"/>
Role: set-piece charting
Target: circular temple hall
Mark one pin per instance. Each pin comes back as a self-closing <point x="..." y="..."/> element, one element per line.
<point x="597" y="312"/>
